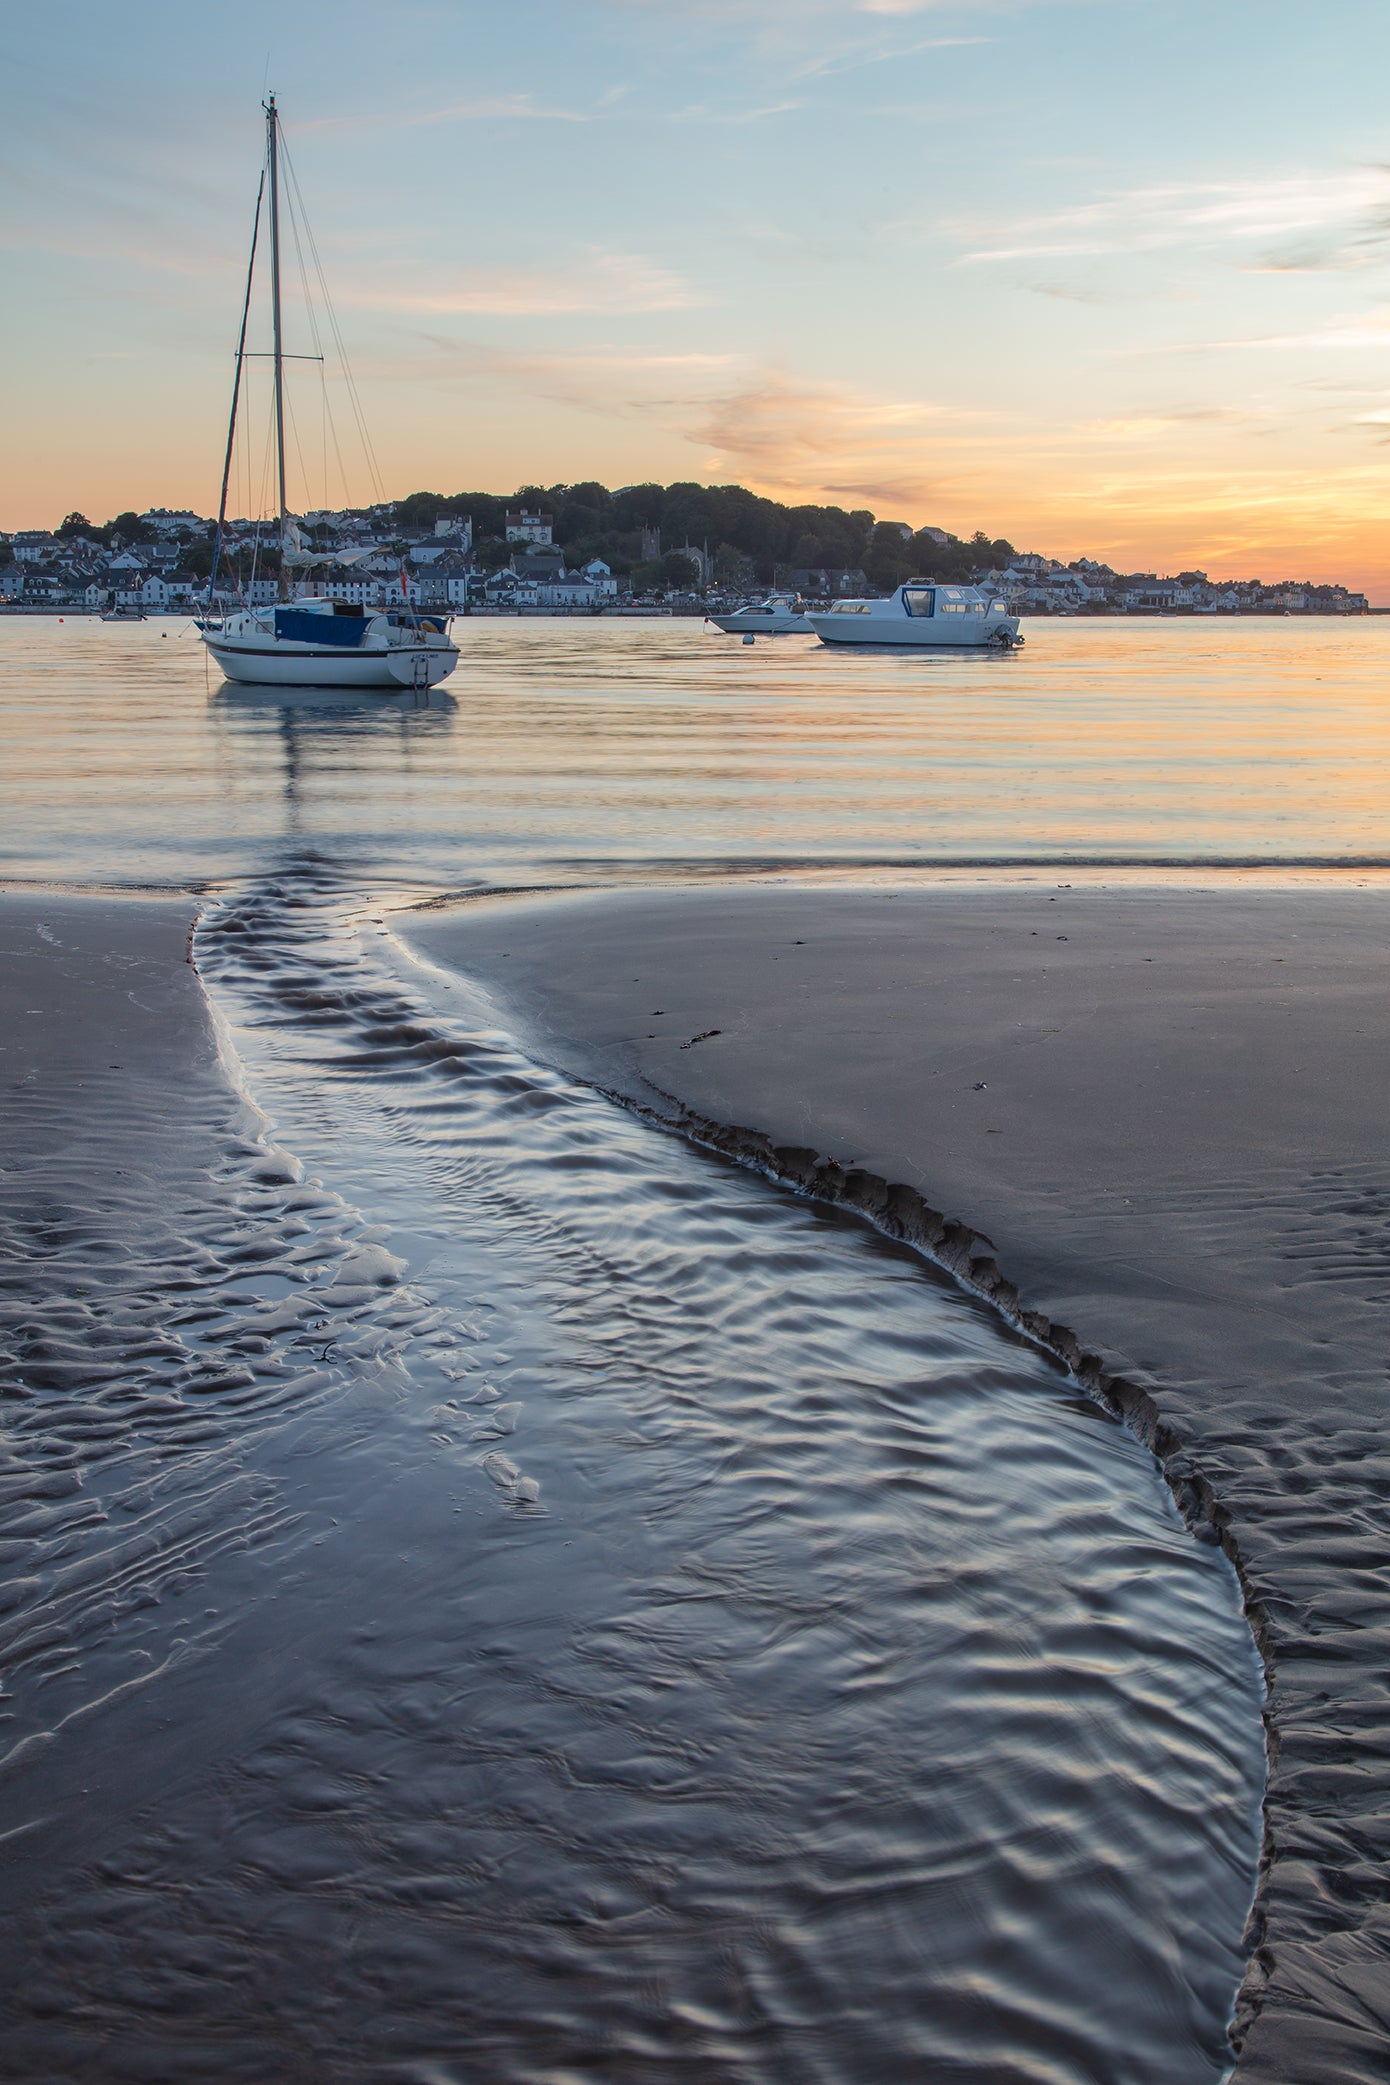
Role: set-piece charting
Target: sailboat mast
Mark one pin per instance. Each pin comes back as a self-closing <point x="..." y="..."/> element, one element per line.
<point x="272" y="122"/>
<point x="236" y="395"/>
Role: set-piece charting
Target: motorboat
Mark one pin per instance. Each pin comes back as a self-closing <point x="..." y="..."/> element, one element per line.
<point x="780" y="615"/>
<point x="922" y="616"/>
<point x="307" y="642"/>
<point x="332" y="644"/>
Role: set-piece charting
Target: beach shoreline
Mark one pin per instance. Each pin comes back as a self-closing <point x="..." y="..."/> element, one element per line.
<point x="1146" y="1123"/>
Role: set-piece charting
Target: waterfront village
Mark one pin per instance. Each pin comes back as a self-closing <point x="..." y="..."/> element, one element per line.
<point x="580" y="549"/>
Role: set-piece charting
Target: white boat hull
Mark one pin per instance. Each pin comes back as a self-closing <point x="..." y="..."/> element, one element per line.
<point x="761" y="624"/>
<point x="882" y="635"/>
<point x="282" y="666"/>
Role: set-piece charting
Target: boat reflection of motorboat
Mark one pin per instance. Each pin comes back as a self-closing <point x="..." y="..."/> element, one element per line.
<point x="922" y="616"/>
<point x="780" y="615"/>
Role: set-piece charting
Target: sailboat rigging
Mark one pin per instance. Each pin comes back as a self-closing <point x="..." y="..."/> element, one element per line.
<point x="307" y="641"/>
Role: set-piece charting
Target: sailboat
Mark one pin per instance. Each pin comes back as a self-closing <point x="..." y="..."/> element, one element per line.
<point x="310" y="643"/>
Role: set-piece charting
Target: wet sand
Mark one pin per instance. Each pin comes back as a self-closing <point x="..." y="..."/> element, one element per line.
<point x="271" y="1810"/>
<point x="122" y="1147"/>
<point x="1153" y="1123"/>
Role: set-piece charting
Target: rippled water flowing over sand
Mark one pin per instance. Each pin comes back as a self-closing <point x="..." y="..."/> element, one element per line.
<point x="492" y="1591"/>
<point x="718" y="1648"/>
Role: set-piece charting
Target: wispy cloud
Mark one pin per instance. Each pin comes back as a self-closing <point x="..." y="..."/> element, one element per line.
<point x="765" y="427"/>
<point x="1364" y="330"/>
<point x="775" y="418"/>
<point x="1158" y="422"/>
<point x="611" y="379"/>
<point x="496" y="108"/>
<point x="1073" y="293"/>
<point x="788" y="436"/>
<point x="708" y="112"/>
<point x="828" y="66"/>
<point x="595" y="281"/>
<point x="1338" y="219"/>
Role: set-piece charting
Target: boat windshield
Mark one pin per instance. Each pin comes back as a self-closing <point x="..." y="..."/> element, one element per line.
<point x="919" y="600"/>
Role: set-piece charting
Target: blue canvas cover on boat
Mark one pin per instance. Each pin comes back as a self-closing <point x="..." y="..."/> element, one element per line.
<point x="306" y="628"/>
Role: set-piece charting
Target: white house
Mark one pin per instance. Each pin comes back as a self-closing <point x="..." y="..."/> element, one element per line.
<point x="600" y="577"/>
<point x="1068" y="589"/>
<point x="364" y="593"/>
<point x="570" y="590"/>
<point x="450" y="539"/>
<point x="167" y="523"/>
<point x="1160" y="593"/>
<point x="500" y="589"/>
<point x="525" y="527"/>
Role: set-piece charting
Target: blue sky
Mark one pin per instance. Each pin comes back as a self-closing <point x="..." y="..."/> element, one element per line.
<point x="1106" y="276"/>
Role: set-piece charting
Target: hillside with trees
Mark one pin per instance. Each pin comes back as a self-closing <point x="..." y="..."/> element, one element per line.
<point x="748" y="537"/>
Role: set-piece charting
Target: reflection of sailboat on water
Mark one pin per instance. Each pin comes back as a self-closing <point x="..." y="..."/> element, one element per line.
<point x="311" y="643"/>
<point x="332" y="745"/>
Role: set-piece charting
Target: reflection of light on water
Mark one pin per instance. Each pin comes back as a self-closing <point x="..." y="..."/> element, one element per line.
<point x="581" y="741"/>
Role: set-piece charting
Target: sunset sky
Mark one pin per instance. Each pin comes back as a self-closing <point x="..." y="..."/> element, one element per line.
<point x="1108" y="277"/>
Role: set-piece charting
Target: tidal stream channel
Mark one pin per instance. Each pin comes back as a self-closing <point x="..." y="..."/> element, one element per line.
<point x="594" y="1615"/>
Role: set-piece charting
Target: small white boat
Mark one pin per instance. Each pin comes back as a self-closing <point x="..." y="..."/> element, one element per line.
<point x="124" y="612"/>
<point x="778" y="616"/>
<point x="922" y="616"/>
<point x="330" y="644"/>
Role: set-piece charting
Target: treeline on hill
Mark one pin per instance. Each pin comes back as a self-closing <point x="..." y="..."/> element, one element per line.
<point x="749" y="538"/>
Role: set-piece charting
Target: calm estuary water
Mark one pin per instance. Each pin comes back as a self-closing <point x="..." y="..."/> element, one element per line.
<point x="579" y="746"/>
<point x="493" y="1593"/>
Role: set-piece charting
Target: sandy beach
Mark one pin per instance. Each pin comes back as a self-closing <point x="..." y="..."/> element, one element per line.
<point x="125" y="1158"/>
<point x="1150" y="1123"/>
<point x="303" y="1666"/>
<point x="1153" y="1124"/>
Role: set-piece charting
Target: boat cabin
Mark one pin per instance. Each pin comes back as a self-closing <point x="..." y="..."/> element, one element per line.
<point x="923" y="598"/>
